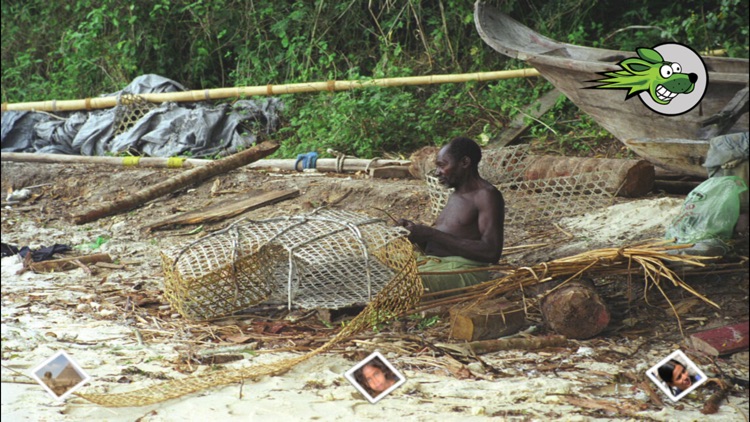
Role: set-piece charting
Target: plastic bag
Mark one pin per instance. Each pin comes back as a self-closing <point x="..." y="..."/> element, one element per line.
<point x="710" y="211"/>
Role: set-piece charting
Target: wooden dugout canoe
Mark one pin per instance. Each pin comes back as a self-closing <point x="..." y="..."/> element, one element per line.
<point x="570" y="68"/>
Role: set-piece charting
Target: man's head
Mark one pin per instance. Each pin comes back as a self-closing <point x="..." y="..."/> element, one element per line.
<point x="457" y="159"/>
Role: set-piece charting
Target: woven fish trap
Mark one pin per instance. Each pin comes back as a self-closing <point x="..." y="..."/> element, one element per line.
<point x="325" y="259"/>
<point x="532" y="200"/>
<point x="130" y="109"/>
<point x="400" y="294"/>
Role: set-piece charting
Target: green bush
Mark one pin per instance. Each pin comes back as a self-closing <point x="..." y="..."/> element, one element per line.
<point x="83" y="48"/>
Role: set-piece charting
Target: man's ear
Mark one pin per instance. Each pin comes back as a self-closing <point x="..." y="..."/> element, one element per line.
<point x="465" y="161"/>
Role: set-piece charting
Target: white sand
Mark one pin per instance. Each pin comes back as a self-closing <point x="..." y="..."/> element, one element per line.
<point x="44" y="313"/>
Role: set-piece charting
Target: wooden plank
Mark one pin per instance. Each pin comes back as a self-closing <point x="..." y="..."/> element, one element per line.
<point x="65" y="264"/>
<point x="224" y="210"/>
<point x="723" y="340"/>
<point x="520" y="123"/>
<point x="488" y="320"/>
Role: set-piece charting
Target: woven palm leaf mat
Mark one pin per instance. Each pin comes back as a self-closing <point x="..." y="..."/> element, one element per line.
<point x="402" y="294"/>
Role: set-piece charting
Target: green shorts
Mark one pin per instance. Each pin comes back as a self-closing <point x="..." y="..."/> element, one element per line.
<point x="438" y="282"/>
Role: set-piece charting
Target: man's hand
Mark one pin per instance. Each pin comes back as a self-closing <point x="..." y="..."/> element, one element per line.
<point x="418" y="233"/>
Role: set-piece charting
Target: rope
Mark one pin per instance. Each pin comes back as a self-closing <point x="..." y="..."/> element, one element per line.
<point x="367" y="167"/>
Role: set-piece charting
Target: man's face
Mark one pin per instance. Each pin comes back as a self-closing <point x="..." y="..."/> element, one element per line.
<point x="375" y="378"/>
<point x="681" y="378"/>
<point x="447" y="168"/>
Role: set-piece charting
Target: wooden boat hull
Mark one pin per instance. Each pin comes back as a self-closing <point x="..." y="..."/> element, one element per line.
<point x="571" y="69"/>
<point x="684" y="156"/>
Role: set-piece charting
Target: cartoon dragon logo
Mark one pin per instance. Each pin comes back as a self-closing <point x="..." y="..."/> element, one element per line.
<point x="649" y="72"/>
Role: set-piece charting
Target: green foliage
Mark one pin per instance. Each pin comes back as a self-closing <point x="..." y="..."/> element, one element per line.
<point x="424" y="323"/>
<point x="82" y="48"/>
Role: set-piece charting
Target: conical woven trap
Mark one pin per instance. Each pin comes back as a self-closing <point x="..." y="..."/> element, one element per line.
<point x="326" y="259"/>
<point x="532" y="200"/>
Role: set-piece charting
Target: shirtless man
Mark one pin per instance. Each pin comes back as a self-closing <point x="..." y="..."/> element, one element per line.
<point x="468" y="232"/>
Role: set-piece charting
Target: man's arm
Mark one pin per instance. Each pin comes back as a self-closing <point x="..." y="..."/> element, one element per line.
<point x="488" y="248"/>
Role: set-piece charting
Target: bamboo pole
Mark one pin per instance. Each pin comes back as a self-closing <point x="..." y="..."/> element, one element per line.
<point x="173" y="183"/>
<point x="322" y="164"/>
<point x="248" y="91"/>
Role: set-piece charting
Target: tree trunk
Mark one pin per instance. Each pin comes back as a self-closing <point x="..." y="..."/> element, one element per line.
<point x="576" y="311"/>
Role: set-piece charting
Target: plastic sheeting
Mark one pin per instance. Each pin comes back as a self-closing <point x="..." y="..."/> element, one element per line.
<point x="725" y="148"/>
<point x="169" y="129"/>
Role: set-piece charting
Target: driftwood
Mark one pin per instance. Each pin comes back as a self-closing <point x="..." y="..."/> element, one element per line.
<point x="575" y="310"/>
<point x="517" y="343"/>
<point x="723" y="340"/>
<point x="714" y="402"/>
<point x="176" y="182"/>
<point x="628" y="178"/>
<point x="491" y="319"/>
<point x="224" y="210"/>
<point x="65" y="264"/>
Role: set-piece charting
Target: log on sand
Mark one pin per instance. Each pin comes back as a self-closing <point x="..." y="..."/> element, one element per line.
<point x="176" y="182"/>
<point x="628" y="178"/>
<point x="575" y="310"/>
<point x="487" y="320"/>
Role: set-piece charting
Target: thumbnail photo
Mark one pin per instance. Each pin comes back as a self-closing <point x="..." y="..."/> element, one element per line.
<point x="375" y="377"/>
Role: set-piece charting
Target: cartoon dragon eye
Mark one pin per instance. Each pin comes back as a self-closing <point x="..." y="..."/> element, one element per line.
<point x="676" y="68"/>
<point x="665" y="71"/>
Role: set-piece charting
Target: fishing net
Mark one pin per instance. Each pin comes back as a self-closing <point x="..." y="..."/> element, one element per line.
<point x="319" y="260"/>
<point x="386" y="246"/>
<point x="130" y="108"/>
<point x="533" y="200"/>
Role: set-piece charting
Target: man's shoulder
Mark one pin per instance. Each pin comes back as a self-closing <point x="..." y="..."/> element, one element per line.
<point x="489" y="191"/>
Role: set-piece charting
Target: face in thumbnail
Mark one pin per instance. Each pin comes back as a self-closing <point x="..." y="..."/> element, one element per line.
<point x="376" y="378"/>
<point x="676" y="376"/>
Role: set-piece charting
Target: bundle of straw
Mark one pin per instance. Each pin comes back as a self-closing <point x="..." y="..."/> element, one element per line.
<point x="650" y="259"/>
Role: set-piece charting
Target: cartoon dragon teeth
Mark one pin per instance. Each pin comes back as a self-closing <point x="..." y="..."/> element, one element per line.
<point x="650" y="73"/>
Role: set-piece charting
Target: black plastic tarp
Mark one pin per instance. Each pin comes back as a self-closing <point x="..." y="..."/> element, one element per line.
<point x="169" y="129"/>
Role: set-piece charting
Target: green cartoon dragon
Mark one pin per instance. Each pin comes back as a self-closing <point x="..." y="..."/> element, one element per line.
<point x="649" y="72"/>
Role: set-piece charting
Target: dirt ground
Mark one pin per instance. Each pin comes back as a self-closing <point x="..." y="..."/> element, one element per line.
<point x="601" y="378"/>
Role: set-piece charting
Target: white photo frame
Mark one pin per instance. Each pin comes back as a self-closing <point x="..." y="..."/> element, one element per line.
<point x="351" y="376"/>
<point x="689" y="365"/>
<point x="60" y="375"/>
